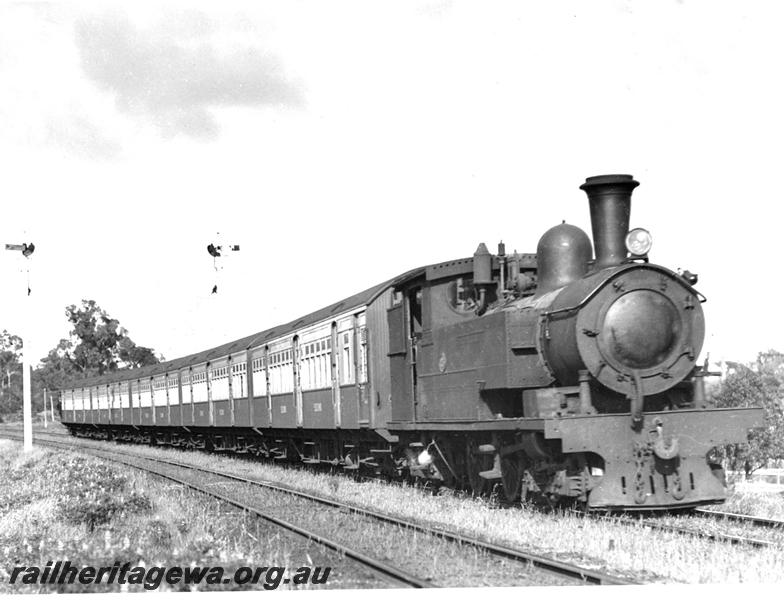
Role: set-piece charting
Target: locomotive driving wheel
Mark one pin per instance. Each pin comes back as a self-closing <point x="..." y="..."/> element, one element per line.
<point x="450" y="462"/>
<point x="477" y="462"/>
<point x="512" y="477"/>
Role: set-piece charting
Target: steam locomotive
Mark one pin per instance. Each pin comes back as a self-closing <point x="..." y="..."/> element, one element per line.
<point x="549" y="376"/>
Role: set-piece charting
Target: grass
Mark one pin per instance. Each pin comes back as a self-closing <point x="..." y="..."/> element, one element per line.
<point x="769" y="505"/>
<point x="60" y="506"/>
<point x="653" y="555"/>
<point x="428" y="557"/>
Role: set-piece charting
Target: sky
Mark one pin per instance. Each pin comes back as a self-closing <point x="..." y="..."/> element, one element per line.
<point x="342" y="143"/>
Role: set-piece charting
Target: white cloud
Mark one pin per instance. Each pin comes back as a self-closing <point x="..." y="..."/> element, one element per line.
<point x="176" y="77"/>
<point x="79" y="135"/>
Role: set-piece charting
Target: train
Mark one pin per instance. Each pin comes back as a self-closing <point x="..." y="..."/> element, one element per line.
<point x="568" y="375"/>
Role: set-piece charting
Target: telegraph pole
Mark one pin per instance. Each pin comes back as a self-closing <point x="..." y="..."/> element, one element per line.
<point x="27" y="354"/>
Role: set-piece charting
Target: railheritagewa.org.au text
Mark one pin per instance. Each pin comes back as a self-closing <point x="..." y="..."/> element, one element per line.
<point x="63" y="572"/>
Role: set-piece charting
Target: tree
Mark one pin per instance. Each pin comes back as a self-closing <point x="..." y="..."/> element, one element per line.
<point x="98" y="345"/>
<point x="758" y="385"/>
<point x="10" y="373"/>
<point x="56" y="368"/>
<point x="136" y="356"/>
<point x="10" y="357"/>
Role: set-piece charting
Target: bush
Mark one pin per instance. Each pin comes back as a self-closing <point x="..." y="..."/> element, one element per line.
<point x="95" y="494"/>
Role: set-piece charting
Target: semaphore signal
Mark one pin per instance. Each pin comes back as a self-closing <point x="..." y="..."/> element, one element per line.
<point x="215" y="250"/>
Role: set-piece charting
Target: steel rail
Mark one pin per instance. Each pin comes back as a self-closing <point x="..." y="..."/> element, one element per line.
<point x="718" y="537"/>
<point x="758" y="521"/>
<point x="563" y="568"/>
<point x="652" y="524"/>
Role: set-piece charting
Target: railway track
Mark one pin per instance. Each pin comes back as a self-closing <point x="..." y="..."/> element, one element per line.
<point x="560" y="568"/>
<point x="153" y="466"/>
<point x="737" y="518"/>
<point x="696" y="531"/>
<point x="387" y="571"/>
<point x="701" y="525"/>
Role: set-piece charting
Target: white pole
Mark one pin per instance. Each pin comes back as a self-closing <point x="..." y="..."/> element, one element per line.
<point x="27" y="352"/>
<point x="51" y="405"/>
<point x="27" y="368"/>
<point x="26" y="403"/>
<point x="45" y="425"/>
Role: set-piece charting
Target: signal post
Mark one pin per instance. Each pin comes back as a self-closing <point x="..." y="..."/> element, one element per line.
<point x="27" y="355"/>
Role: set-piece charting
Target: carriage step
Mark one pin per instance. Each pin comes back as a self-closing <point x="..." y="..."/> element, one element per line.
<point x="380" y="451"/>
<point x="311" y="461"/>
<point x="485" y="449"/>
<point x="308" y="443"/>
<point x="416" y="445"/>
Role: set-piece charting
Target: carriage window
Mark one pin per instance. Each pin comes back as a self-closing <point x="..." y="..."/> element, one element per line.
<point x="362" y="363"/>
<point x="346" y="358"/>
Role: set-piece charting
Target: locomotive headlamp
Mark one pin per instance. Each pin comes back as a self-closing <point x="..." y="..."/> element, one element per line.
<point x="639" y="241"/>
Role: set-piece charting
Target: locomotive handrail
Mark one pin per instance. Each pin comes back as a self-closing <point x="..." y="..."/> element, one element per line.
<point x="582" y="303"/>
<point x="593" y="292"/>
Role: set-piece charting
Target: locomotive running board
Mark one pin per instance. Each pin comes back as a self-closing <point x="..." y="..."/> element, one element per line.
<point x="469" y="425"/>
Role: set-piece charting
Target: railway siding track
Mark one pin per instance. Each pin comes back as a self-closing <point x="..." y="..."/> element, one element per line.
<point x="234" y="499"/>
<point x="712" y="525"/>
<point x="694" y="529"/>
<point x="335" y="516"/>
<point x="735" y="517"/>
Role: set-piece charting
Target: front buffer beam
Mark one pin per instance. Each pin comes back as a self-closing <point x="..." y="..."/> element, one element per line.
<point x="663" y="465"/>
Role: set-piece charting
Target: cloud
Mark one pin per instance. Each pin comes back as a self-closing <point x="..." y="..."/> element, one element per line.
<point x="78" y="135"/>
<point x="177" y="73"/>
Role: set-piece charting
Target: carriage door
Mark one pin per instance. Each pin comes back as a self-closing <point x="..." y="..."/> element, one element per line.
<point x="297" y="379"/>
<point x="405" y="330"/>
<point x="335" y="371"/>
<point x="415" y="337"/>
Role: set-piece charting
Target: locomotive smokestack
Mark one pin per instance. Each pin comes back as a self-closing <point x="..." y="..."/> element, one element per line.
<point x="610" y="198"/>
